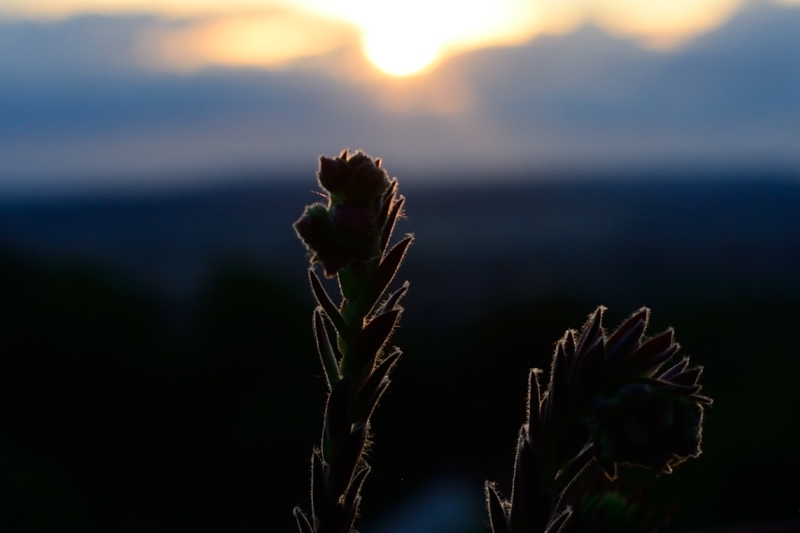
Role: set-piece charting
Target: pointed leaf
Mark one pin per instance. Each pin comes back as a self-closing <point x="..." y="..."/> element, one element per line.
<point x="651" y="353"/>
<point x="387" y="201"/>
<point x="687" y="377"/>
<point x="700" y="399"/>
<point x="531" y="507"/>
<point x="302" y="522"/>
<point x="671" y="387"/>
<point x="590" y="373"/>
<point x="352" y="498"/>
<point x="570" y="345"/>
<point x="534" y="415"/>
<point x="576" y="467"/>
<point x="354" y="490"/>
<point x="559" y="522"/>
<point x="626" y="338"/>
<point x="391" y="219"/>
<point x="591" y="330"/>
<point x="327" y="305"/>
<point x="675" y="369"/>
<point x="368" y="395"/>
<point x="391" y="302"/>
<point x="317" y="485"/>
<point x="328" y="353"/>
<point x="649" y="366"/>
<point x="387" y="269"/>
<point x="557" y="400"/>
<point x="371" y="340"/>
<point x="497" y="515"/>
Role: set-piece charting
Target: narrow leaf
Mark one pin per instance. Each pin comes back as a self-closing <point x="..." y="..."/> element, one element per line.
<point x="651" y="353"/>
<point x="352" y="497"/>
<point x="328" y="353"/>
<point x="557" y="400"/>
<point x="391" y="219"/>
<point x="626" y="338"/>
<point x="392" y="301"/>
<point x="371" y="340"/>
<point x="317" y="485"/>
<point x="700" y="399"/>
<point x="570" y="345"/>
<point x="387" y="200"/>
<point x="672" y="387"/>
<point x="497" y="515"/>
<point x="571" y="472"/>
<point x="687" y="377"/>
<point x="354" y="490"/>
<point x="530" y="505"/>
<point x="675" y="369"/>
<point x="387" y="269"/>
<point x="302" y="522"/>
<point x="368" y="395"/>
<point x="590" y="373"/>
<point x="649" y="366"/>
<point x="534" y="415"/>
<point x="592" y="329"/>
<point x="559" y="522"/>
<point x="369" y="407"/>
<point x="328" y="306"/>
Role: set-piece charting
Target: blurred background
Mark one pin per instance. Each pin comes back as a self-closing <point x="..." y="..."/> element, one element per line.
<point x="158" y="371"/>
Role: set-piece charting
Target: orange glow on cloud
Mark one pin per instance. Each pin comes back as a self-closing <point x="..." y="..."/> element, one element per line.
<point x="269" y="41"/>
<point x="400" y="37"/>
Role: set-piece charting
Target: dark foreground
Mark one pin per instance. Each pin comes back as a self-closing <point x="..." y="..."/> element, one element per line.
<point x="158" y="371"/>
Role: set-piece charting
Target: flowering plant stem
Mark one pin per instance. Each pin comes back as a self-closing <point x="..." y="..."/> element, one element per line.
<point x="350" y="237"/>
<point x="609" y="400"/>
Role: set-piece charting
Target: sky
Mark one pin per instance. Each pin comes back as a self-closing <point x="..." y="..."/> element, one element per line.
<point x="105" y="94"/>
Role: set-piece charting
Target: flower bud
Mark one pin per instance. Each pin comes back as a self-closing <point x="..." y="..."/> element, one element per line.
<point x="346" y="230"/>
<point x="648" y="425"/>
<point x="353" y="178"/>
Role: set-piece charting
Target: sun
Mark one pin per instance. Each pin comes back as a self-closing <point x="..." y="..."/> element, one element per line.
<point x="398" y="57"/>
<point x="406" y="37"/>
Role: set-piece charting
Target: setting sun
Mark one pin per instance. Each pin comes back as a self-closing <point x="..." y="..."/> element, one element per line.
<point x="403" y="38"/>
<point x="399" y="37"/>
<point x="394" y="56"/>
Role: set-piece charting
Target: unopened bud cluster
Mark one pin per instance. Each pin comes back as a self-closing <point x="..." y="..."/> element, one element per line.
<point x="347" y="230"/>
<point x="608" y="400"/>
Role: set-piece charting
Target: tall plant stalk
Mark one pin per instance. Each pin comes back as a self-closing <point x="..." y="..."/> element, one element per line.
<point x="349" y="237"/>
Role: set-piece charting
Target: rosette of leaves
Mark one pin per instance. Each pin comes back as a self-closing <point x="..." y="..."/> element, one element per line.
<point x="349" y="236"/>
<point x="609" y="399"/>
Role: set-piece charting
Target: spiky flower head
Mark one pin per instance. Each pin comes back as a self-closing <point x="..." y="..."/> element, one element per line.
<point x="349" y="228"/>
<point x="640" y="414"/>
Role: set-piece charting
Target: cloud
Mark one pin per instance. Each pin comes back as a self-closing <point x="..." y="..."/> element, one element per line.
<point x="78" y="110"/>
